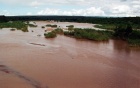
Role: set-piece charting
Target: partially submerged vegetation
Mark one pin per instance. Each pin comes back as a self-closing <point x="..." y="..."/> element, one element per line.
<point x="91" y="34"/>
<point x="118" y="26"/>
<point x="49" y="25"/>
<point x="13" y="29"/>
<point x="70" y="26"/>
<point x="134" y="38"/>
<point x="32" y="25"/>
<point x="126" y="32"/>
<point x="51" y="34"/>
<point x="58" y="31"/>
<point x="19" y="25"/>
<point x="43" y="27"/>
<point x="106" y="26"/>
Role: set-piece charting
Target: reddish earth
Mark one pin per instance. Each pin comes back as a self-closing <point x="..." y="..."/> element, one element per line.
<point x="30" y="61"/>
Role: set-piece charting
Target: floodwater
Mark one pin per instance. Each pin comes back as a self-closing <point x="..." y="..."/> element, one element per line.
<point x="31" y="61"/>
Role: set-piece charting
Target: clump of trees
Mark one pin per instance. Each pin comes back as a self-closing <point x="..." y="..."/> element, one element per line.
<point x="50" y="34"/>
<point x="53" y="25"/>
<point x="54" y="33"/>
<point x="13" y="29"/>
<point x="43" y="27"/>
<point x="19" y="25"/>
<point x="106" y="26"/>
<point x="134" y="38"/>
<point x="49" y="25"/>
<point x="58" y="31"/>
<point x="126" y="32"/>
<point x="32" y="25"/>
<point x="123" y="31"/>
<point x="70" y="26"/>
<point x="91" y="34"/>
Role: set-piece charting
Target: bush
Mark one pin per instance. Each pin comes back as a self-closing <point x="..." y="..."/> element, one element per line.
<point x="70" y="26"/>
<point x="58" y="31"/>
<point x="25" y="29"/>
<point x="32" y="25"/>
<point x="19" y="25"/>
<point x="48" y="25"/>
<point x="90" y="34"/>
<point x="123" y="31"/>
<point x="135" y="34"/>
<point x="12" y="29"/>
<point x="53" y="25"/>
<point x="42" y="27"/>
<point x="68" y="33"/>
<point x="134" y="38"/>
<point x="134" y="42"/>
<point x="106" y="26"/>
<point x="50" y="34"/>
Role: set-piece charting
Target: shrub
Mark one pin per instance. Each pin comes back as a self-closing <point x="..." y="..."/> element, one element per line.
<point x="90" y="34"/>
<point x="53" y="25"/>
<point x="48" y="25"/>
<point x="15" y="24"/>
<point x="50" y="34"/>
<point x="42" y="27"/>
<point x="58" y="31"/>
<point x="70" y="26"/>
<point x="12" y="29"/>
<point x="32" y="25"/>
<point x="25" y="29"/>
<point x="134" y="42"/>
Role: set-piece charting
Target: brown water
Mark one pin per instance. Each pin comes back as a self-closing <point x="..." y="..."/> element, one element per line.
<point x="30" y="61"/>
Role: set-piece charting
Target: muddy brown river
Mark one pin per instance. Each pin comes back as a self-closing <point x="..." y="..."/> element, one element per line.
<point x="31" y="61"/>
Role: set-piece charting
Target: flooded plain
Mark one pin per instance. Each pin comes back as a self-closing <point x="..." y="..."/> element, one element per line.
<point x="31" y="61"/>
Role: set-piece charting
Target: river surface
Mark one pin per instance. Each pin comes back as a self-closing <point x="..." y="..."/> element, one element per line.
<point x="31" y="61"/>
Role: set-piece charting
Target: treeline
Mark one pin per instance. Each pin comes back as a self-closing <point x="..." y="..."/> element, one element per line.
<point x="85" y="19"/>
<point x="3" y="19"/>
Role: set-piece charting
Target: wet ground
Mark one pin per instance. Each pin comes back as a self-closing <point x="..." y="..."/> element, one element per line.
<point x="31" y="61"/>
